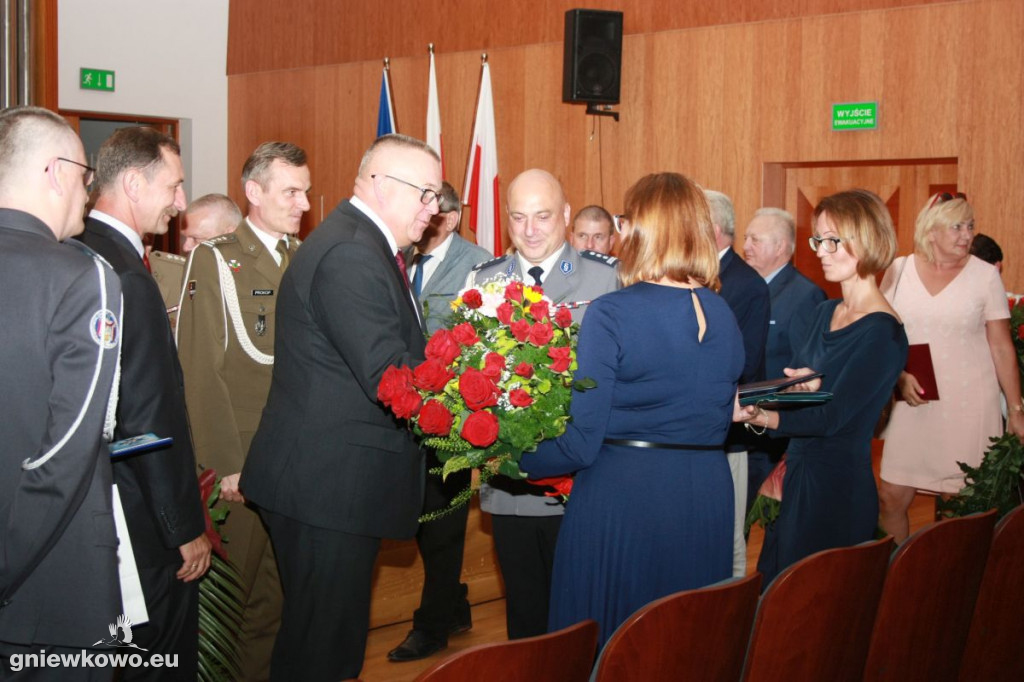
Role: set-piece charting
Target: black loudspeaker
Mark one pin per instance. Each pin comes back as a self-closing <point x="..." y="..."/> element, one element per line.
<point x="593" y="56"/>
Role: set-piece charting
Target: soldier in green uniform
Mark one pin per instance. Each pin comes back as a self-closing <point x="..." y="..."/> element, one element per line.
<point x="226" y="345"/>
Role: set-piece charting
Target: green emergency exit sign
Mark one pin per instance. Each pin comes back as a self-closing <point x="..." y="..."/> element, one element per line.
<point x="855" y="116"/>
<point x="96" y="79"/>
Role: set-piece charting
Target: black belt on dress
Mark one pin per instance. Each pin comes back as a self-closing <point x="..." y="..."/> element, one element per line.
<point x="660" y="446"/>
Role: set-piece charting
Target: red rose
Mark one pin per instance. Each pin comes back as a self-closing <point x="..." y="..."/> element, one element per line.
<point x="407" y="404"/>
<point x="563" y="318"/>
<point x="477" y="390"/>
<point x="504" y="312"/>
<point x="431" y="375"/>
<point x="435" y="419"/>
<point x="772" y="486"/>
<point x="394" y="382"/>
<point x="561" y="358"/>
<point x="539" y="310"/>
<point x="480" y="429"/>
<point x="514" y="291"/>
<point x="473" y="299"/>
<point x="519" y="398"/>
<point x="442" y="346"/>
<point x="493" y="364"/>
<point x="524" y="369"/>
<point x="562" y="485"/>
<point x="541" y="333"/>
<point x="520" y="329"/>
<point x="465" y="334"/>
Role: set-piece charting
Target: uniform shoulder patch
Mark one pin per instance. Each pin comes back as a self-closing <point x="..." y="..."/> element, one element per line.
<point x="172" y="257"/>
<point x="228" y="238"/>
<point x="488" y="263"/>
<point x="600" y="257"/>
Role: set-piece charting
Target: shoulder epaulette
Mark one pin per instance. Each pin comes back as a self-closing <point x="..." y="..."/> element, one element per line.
<point x="487" y="263"/>
<point x="172" y="257"/>
<point x="610" y="261"/>
<point x="221" y="239"/>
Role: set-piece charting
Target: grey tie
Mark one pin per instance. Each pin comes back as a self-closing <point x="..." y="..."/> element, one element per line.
<point x="536" y="272"/>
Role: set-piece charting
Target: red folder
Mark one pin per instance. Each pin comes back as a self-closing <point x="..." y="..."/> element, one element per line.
<point x="919" y="363"/>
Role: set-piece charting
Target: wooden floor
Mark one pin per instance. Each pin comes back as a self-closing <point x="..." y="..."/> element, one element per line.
<point x="489" y="617"/>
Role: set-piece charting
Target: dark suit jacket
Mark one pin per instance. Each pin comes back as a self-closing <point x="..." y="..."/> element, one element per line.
<point x="58" y="548"/>
<point x="159" y="488"/>
<point x="447" y="280"/>
<point x="326" y="453"/>
<point x="794" y="298"/>
<point x="747" y="294"/>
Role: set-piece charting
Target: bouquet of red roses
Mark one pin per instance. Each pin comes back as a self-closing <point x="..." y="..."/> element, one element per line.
<point x="495" y="382"/>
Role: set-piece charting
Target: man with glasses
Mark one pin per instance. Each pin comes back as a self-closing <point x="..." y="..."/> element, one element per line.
<point x="438" y="267"/>
<point x="139" y="176"/>
<point x="330" y="470"/>
<point x="58" y="564"/>
<point x="768" y="246"/>
<point x="225" y="339"/>
<point x="526" y="521"/>
<point x="747" y="294"/>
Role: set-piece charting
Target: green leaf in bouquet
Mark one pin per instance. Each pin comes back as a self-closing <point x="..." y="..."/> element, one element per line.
<point x="994" y="484"/>
<point x="453" y="464"/>
<point x="584" y="384"/>
<point x="543" y="386"/>
<point x="511" y="469"/>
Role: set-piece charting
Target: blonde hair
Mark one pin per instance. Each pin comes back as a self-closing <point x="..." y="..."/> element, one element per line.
<point x="938" y="216"/>
<point x="861" y="219"/>
<point x="671" y="233"/>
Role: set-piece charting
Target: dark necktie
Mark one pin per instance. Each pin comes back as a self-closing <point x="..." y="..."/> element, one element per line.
<point x="401" y="266"/>
<point x="536" y="272"/>
<point x="282" y="249"/>
<point x="417" y="278"/>
<point x="145" y="261"/>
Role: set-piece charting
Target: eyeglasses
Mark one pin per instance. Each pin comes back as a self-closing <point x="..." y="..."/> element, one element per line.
<point x="943" y="197"/>
<point x="87" y="176"/>
<point x="427" y="195"/>
<point x="829" y="244"/>
<point x="618" y="219"/>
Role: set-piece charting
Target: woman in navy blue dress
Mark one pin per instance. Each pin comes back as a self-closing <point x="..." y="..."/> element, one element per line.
<point x="829" y="497"/>
<point x="652" y="505"/>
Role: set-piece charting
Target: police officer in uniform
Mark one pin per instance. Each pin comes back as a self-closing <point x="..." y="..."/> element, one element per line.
<point x="525" y="520"/>
<point x="226" y="345"/>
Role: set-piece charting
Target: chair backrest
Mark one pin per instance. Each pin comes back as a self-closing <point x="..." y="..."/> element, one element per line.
<point x="814" y="621"/>
<point x="693" y="635"/>
<point x="928" y="601"/>
<point x="563" y="656"/>
<point x="993" y="650"/>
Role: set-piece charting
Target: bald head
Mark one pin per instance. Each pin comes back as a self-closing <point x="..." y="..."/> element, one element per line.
<point x="43" y="169"/>
<point x="538" y="214"/>
<point x="395" y="176"/>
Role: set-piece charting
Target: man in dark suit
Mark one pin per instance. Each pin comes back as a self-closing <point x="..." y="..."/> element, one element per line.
<point x="747" y="294"/>
<point x="438" y="267"/>
<point x="331" y="471"/>
<point x="58" y="352"/>
<point x="768" y="246"/>
<point x="139" y="176"/>
<point x="525" y="520"/>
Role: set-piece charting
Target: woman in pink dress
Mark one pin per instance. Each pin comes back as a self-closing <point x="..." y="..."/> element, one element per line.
<point x="956" y="304"/>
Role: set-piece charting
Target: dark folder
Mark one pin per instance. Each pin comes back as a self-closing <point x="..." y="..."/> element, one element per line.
<point x="919" y="363"/>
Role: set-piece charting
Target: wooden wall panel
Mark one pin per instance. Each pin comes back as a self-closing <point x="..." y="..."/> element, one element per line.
<point x="268" y="35"/>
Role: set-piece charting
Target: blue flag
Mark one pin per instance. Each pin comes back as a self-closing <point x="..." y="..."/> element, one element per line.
<point x="386" y="114"/>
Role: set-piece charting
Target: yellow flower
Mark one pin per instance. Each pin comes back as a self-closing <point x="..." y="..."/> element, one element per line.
<point x="531" y="294"/>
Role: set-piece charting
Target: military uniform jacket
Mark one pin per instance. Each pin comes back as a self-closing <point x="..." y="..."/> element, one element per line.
<point x="58" y="547"/>
<point x="168" y="269"/>
<point x="576" y="280"/>
<point x="159" y="489"/>
<point x="327" y="453"/>
<point x="225" y="387"/>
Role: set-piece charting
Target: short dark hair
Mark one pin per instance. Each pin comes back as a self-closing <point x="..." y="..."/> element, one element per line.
<point x="597" y="214"/>
<point x="257" y="166"/>
<point x="133" y="147"/>
<point x="987" y="249"/>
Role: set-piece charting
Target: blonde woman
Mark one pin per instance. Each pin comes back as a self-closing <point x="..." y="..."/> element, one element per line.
<point x="651" y="511"/>
<point x="956" y="304"/>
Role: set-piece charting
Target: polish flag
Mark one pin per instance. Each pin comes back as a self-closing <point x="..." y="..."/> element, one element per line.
<point x="434" y="113"/>
<point x="480" y="192"/>
<point x="386" y="112"/>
